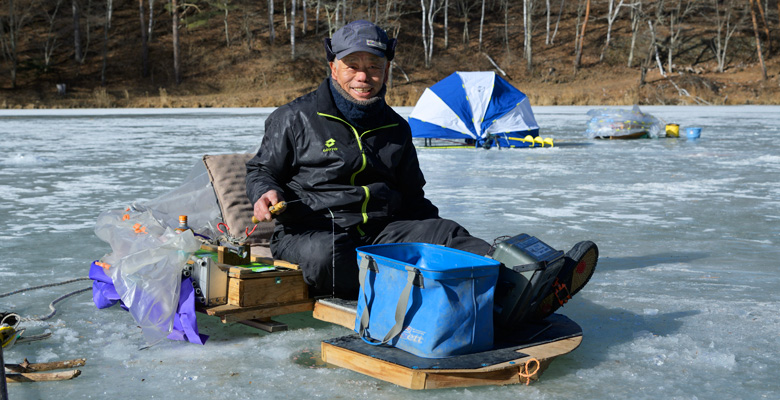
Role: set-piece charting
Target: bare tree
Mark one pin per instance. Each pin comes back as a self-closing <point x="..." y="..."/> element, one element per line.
<point x="636" y="19"/>
<point x="611" y="16"/>
<point x="680" y="11"/>
<point x="427" y="29"/>
<point x="481" y="24"/>
<point x="18" y="15"/>
<point x="175" y="32"/>
<point x="758" y="40"/>
<point x="317" y="19"/>
<point x="725" y="26"/>
<point x="144" y="41"/>
<point x="558" y="20"/>
<point x="77" y="53"/>
<point x="464" y="7"/>
<point x="271" y="33"/>
<point x="247" y="18"/>
<point x="505" y="6"/>
<point x="225" y="6"/>
<point x="651" y="48"/>
<point x="578" y="54"/>
<point x="50" y="39"/>
<point x="547" y="36"/>
<point x="528" y="6"/>
<point x="305" y="21"/>
<point x="151" y="20"/>
<point x="446" y="23"/>
<point x="766" y="27"/>
<point x="106" y="27"/>
<point x="292" y="29"/>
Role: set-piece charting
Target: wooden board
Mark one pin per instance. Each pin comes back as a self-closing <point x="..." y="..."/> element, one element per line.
<point x="502" y="373"/>
<point x="231" y="313"/>
<point x="335" y="311"/>
<point x="505" y="373"/>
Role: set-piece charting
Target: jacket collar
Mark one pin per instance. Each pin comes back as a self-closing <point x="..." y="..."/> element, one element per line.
<point x="327" y="105"/>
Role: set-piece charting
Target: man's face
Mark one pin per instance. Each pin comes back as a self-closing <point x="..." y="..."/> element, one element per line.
<point x="360" y="74"/>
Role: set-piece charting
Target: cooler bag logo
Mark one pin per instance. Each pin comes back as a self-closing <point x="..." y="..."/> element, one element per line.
<point x="413" y="335"/>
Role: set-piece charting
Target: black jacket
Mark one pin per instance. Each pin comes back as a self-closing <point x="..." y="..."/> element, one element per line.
<point x="367" y="179"/>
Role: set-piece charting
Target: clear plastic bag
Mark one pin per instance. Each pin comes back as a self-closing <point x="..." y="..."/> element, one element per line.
<point x="147" y="254"/>
<point x="194" y="198"/>
<point x="614" y="122"/>
<point x="146" y="263"/>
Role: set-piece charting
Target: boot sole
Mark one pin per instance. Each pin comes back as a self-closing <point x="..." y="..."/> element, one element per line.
<point x="585" y="255"/>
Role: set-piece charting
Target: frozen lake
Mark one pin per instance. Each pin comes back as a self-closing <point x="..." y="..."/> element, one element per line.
<point x="684" y="303"/>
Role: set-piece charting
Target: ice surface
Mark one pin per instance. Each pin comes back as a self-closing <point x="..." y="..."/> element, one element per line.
<point x="683" y="304"/>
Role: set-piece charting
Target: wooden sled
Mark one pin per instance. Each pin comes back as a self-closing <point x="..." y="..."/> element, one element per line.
<point x="510" y="362"/>
<point x="636" y="135"/>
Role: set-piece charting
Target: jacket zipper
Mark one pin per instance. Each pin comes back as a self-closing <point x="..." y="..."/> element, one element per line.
<point x="358" y="136"/>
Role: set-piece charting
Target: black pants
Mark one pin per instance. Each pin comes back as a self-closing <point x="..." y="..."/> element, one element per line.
<point x="316" y="251"/>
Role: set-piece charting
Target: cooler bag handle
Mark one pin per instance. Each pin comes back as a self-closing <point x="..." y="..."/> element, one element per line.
<point x="400" y="310"/>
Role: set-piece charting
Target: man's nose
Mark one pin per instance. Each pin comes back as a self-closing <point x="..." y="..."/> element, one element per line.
<point x="361" y="74"/>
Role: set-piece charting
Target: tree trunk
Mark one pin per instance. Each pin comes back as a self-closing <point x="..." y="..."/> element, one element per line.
<point x="528" y="6"/>
<point x="151" y="21"/>
<point x="506" y="25"/>
<point x="292" y="30"/>
<point x="645" y="65"/>
<point x="758" y="40"/>
<point x="271" y="33"/>
<point x="225" y="22"/>
<point x="555" y="32"/>
<point x="766" y="27"/>
<point x="144" y="42"/>
<point x="610" y="20"/>
<point x="547" y="37"/>
<point x="77" y="54"/>
<point x="481" y="24"/>
<point x="427" y="31"/>
<point x="50" y="42"/>
<point x="724" y="31"/>
<point x="106" y="26"/>
<point x="446" y="22"/>
<point x="305" y="18"/>
<point x="176" y="61"/>
<point x="636" y="18"/>
<point x="578" y="57"/>
<point x="10" y="48"/>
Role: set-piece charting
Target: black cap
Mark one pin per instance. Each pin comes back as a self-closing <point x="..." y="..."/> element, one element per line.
<point x="360" y="35"/>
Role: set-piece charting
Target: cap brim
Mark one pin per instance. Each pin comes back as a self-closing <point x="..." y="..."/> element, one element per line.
<point x="355" y="49"/>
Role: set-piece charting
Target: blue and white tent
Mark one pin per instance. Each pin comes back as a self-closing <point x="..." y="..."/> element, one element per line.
<point x="480" y="106"/>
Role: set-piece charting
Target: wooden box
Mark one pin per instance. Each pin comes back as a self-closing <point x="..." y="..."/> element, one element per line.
<point x="267" y="288"/>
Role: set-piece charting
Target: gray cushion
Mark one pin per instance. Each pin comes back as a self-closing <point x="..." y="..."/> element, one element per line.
<point x="228" y="176"/>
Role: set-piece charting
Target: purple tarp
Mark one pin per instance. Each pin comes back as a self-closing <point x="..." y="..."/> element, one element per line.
<point x="185" y="322"/>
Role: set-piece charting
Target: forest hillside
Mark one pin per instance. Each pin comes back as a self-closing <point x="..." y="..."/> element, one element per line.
<point x="263" y="53"/>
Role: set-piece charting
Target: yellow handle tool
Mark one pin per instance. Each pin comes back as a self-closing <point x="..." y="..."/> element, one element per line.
<point x="275" y="209"/>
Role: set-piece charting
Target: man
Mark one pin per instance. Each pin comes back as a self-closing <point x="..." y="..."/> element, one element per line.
<point x="344" y="162"/>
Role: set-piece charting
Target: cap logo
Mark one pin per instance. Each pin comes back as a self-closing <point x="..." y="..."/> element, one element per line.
<point x="374" y="43"/>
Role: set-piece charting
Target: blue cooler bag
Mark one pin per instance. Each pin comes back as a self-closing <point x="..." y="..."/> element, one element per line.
<point x="429" y="300"/>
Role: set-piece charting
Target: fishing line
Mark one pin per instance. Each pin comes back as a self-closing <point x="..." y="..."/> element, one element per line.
<point x="333" y="253"/>
<point x="53" y="303"/>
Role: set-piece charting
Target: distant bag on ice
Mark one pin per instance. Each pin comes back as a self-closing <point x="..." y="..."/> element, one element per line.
<point x="429" y="300"/>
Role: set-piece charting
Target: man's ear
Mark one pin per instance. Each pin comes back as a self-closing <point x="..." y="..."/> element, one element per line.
<point x="329" y="54"/>
<point x="390" y="52"/>
<point x="333" y="66"/>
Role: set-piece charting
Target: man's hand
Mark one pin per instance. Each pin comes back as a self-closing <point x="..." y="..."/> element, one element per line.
<point x="265" y="201"/>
